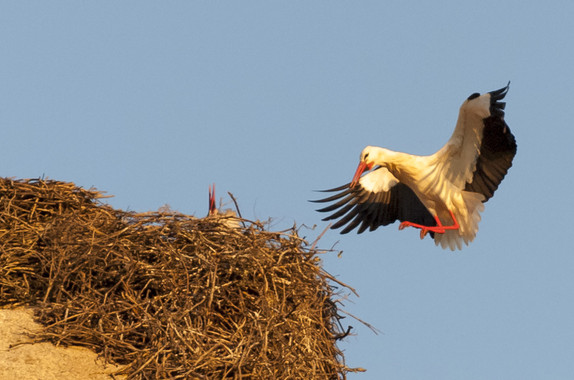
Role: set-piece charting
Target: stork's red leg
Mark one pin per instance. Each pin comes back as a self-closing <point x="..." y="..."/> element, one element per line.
<point x="439" y="228"/>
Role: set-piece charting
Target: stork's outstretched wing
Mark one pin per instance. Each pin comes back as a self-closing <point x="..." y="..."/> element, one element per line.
<point x="481" y="148"/>
<point x="378" y="200"/>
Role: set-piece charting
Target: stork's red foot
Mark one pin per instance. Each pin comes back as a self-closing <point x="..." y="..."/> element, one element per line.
<point x="439" y="228"/>
<point x="424" y="229"/>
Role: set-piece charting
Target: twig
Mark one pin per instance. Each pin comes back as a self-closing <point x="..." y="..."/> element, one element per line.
<point x="319" y="237"/>
<point x="237" y="208"/>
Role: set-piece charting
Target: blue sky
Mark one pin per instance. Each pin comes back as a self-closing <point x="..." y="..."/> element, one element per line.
<point x="153" y="101"/>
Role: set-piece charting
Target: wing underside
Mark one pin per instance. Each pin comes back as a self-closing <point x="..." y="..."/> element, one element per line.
<point x="481" y="149"/>
<point x="370" y="208"/>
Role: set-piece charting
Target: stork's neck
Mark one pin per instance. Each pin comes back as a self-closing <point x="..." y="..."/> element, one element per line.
<point x="404" y="166"/>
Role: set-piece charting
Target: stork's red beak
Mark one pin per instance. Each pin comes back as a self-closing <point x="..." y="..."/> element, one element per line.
<point x="360" y="170"/>
<point x="212" y="209"/>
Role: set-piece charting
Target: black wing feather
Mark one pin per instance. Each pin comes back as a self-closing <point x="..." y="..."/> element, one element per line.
<point x="497" y="149"/>
<point x="357" y="207"/>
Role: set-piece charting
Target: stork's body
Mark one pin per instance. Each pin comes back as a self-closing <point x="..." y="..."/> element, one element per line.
<point x="442" y="194"/>
<point x="455" y="211"/>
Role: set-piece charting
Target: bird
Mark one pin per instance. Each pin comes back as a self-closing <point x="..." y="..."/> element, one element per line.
<point x="227" y="217"/>
<point x="441" y="194"/>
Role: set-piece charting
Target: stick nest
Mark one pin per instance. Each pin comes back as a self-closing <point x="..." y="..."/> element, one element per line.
<point x="166" y="294"/>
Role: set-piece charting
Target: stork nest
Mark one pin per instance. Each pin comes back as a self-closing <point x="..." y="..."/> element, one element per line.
<point x="166" y="294"/>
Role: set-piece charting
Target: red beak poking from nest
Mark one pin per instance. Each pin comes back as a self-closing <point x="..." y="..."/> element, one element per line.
<point x="360" y="170"/>
<point x="212" y="209"/>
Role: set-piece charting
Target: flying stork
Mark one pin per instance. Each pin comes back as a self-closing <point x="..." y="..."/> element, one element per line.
<point x="441" y="194"/>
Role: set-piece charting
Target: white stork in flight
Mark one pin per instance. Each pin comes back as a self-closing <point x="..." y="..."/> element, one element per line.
<point x="441" y="194"/>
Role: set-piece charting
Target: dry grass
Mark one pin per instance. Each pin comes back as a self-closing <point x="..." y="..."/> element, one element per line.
<point x="170" y="295"/>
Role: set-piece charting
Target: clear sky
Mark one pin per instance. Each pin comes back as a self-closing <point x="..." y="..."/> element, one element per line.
<point x="153" y="101"/>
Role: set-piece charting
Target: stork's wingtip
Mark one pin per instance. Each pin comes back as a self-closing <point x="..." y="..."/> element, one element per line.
<point x="339" y="188"/>
<point x="499" y="94"/>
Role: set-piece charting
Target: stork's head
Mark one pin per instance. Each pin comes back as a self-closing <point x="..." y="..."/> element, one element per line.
<point x="366" y="162"/>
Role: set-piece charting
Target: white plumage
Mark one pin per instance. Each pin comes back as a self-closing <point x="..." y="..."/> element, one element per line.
<point x="443" y="193"/>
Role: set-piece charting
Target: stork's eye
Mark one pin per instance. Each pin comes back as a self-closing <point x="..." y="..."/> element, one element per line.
<point x="365" y="156"/>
